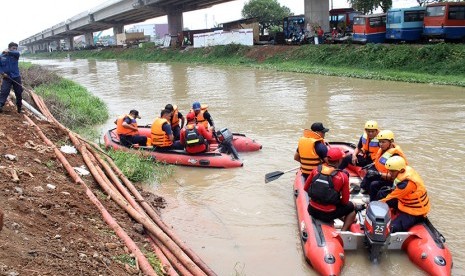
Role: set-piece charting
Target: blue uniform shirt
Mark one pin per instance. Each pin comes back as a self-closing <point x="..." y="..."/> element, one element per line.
<point x="9" y="64"/>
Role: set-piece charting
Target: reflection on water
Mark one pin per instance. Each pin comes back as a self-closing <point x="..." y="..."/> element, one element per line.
<point x="234" y="212"/>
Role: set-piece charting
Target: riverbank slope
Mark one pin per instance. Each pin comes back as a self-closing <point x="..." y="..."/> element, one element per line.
<point x="432" y="63"/>
<point x="50" y="226"/>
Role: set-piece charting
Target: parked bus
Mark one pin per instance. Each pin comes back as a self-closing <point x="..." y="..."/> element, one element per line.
<point x="369" y="28"/>
<point x="405" y="24"/>
<point x="445" y="20"/>
<point x="294" y="28"/>
<point x="342" y="19"/>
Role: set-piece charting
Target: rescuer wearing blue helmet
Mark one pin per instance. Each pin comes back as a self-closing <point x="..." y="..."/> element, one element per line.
<point x="202" y="116"/>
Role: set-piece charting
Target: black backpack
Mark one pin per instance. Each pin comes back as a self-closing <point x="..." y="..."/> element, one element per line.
<point x="322" y="189"/>
<point x="193" y="137"/>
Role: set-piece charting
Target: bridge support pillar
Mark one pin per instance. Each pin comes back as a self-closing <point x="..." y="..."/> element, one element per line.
<point x="117" y="29"/>
<point x="69" y="43"/>
<point x="317" y="13"/>
<point x="58" y="42"/>
<point x="33" y="48"/>
<point x="175" y="24"/>
<point x="89" y="37"/>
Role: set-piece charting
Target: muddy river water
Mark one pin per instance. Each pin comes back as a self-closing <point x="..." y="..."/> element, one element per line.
<point x="238" y="224"/>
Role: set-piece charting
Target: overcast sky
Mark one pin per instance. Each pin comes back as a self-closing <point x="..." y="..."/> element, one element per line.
<point x="28" y="17"/>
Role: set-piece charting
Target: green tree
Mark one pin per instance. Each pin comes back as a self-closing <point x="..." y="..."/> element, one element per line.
<point x="368" y="6"/>
<point x="268" y="12"/>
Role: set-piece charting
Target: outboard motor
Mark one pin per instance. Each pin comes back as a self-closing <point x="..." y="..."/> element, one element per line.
<point x="225" y="137"/>
<point x="377" y="224"/>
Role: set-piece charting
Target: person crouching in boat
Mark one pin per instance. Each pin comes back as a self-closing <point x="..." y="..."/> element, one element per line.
<point x="328" y="190"/>
<point x="379" y="177"/>
<point x="177" y="120"/>
<point x="194" y="136"/>
<point x="162" y="135"/>
<point x="367" y="147"/>
<point x="311" y="150"/>
<point x="127" y="130"/>
<point x="409" y="197"/>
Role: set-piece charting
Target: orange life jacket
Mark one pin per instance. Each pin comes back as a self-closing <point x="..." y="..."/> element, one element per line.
<point x="370" y="147"/>
<point x="416" y="203"/>
<point x="200" y="118"/>
<point x="175" y="118"/>
<point x="159" y="137"/>
<point x="309" y="159"/>
<point x="381" y="157"/>
<point x="121" y="130"/>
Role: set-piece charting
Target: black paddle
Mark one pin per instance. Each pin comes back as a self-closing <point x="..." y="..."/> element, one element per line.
<point x="277" y="174"/>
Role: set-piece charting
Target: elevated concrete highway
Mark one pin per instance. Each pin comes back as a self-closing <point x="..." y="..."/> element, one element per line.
<point x="118" y="13"/>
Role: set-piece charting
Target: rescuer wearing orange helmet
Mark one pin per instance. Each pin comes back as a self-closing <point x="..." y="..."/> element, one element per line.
<point x="328" y="189"/>
<point x="409" y="197"/>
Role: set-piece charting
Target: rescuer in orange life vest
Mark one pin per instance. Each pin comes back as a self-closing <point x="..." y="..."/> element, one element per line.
<point x="409" y="197"/>
<point x="194" y="136"/>
<point x="328" y="189"/>
<point x="175" y="123"/>
<point x="162" y="135"/>
<point x="311" y="150"/>
<point x="378" y="177"/>
<point x="127" y="130"/>
<point x="202" y="116"/>
<point x="366" y="149"/>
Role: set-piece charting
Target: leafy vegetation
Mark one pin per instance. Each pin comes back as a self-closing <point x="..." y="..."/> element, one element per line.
<point x="154" y="262"/>
<point x="268" y="12"/>
<point x="137" y="168"/>
<point x="368" y="6"/>
<point x="70" y="103"/>
<point x="125" y="259"/>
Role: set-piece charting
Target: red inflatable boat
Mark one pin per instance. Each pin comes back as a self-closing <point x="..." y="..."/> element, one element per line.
<point x="324" y="244"/>
<point x="211" y="159"/>
<point x="240" y="142"/>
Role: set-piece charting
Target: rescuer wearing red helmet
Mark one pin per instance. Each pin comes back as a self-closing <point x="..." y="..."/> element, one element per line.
<point x="328" y="189"/>
<point x="194" y="137"/>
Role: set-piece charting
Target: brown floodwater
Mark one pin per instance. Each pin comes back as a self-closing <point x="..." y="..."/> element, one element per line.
<point x="238" y="224"/>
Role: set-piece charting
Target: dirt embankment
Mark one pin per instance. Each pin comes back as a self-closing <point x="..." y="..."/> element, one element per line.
<point x="50" y="227"/>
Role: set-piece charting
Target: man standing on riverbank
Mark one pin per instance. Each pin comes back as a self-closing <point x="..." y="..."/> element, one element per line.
<point x="9" y="70"/>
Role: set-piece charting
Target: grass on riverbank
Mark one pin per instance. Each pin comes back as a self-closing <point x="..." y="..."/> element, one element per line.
<point x="433" y="63"/>
<point x="69" y="102"/>
<point x="137" y="168"/>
